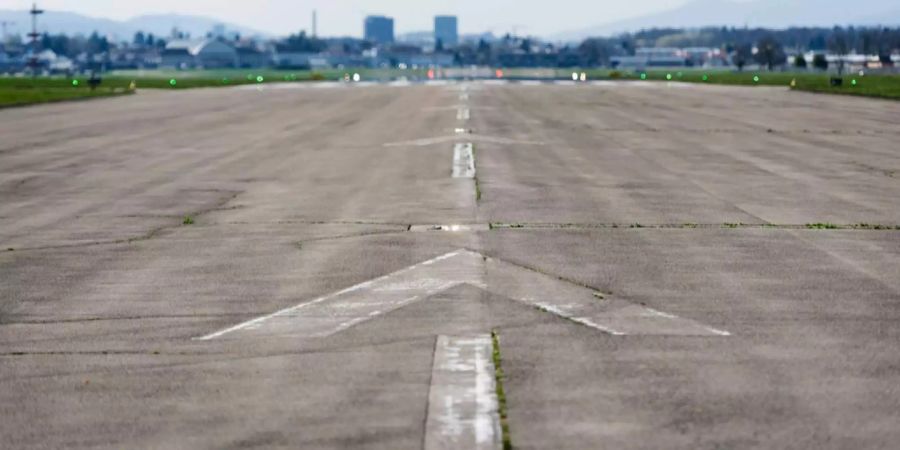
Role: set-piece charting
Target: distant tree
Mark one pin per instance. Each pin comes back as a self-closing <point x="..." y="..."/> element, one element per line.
<point x="150" y="40"/>
<point x="483" y="53"/>
<point x="742" y="55"/>
<point x="770" y="53"/>
<point x="302" y="43"/>
<point x="818" y="42"/>
<point x="820" y="62"/>
<point x="800" y="61"/>
<point x="139" y="39"/>
<point x="594" y="52"/>
<point x="839" y="44"/>
<point x="58" y="43"/>
<point x="526" y="45"/>
<point x="628" y="45"/>
<point x="439" y="45"/>
<point x="97" y="44"/>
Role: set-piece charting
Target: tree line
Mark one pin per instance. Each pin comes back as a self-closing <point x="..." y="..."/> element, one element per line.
<point x="740" y="42"/>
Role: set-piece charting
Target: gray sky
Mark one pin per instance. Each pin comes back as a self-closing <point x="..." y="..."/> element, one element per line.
<point x="344" y="17"/>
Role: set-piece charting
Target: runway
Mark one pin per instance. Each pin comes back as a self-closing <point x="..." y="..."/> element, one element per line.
<point x="326" y="266"/>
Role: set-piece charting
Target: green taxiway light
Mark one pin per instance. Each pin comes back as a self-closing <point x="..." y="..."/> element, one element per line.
<point x="173" y="82"/>
<point x="643" y="76"/>
<point x="260" y="79"/>
<point x="853" y="82"/>
<point x="705" y="77"/>
<point x="668" y="76"/>
<point x="75" y="83"/>
<point x="756" y="78"/>
<point x="225" y="80"/>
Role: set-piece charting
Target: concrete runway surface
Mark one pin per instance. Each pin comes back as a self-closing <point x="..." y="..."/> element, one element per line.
<point x="640" y="252"/>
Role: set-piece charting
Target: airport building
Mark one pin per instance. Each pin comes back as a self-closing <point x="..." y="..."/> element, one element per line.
<point x="446" y="30"/>
<point x="379" y="29"/>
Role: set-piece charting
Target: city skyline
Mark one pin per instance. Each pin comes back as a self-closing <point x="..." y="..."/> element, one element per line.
<point x="284" y="16"/>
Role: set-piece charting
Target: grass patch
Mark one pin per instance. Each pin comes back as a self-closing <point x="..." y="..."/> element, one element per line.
<point x="477" y="183"/>
<point x="188" y="220"/>
<point x="880" y="86"/>
<point x="822" y="226"/>
<point x="21" y="92"/>
<point x="501" y="393"/>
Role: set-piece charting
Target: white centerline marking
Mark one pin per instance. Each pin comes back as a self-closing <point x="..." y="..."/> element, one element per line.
<point x="463" y="161"/>
<point x="463" y="411"/>
<point x="463" y="114"/>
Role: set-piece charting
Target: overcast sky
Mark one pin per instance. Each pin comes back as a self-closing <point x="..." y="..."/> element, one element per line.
<point x="344" y="17"/>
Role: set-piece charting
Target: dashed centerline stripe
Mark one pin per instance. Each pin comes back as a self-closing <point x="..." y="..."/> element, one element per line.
<point x="463" y="161"/>
<point x="463" y="409"/>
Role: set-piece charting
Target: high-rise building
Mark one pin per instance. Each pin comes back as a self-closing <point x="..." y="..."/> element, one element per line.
<point x="379" y="29"/>
<point x="446" y="30"/>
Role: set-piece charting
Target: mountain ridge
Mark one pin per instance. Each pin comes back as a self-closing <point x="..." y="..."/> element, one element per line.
<point x="760" y="13"/>
<point x="159" y="24"/>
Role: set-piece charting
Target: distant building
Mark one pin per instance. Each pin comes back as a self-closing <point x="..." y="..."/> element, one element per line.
<point x="250" y="57"/>
<point x="205" y="53"/>
<point x="379" y="29"/>
<point x="446" y="30"/>
<point x="651" y="57"/>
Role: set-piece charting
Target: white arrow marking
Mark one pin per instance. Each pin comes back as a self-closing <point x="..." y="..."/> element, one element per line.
<point x="463" y="411"/>
<point x="463" y="161"/>
<point x="347" y="308"/>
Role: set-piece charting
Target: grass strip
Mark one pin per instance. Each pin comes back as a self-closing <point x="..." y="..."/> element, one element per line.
<point x="501" y="393"/>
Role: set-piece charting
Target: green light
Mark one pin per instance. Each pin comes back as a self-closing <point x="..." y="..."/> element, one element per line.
<point x="643" y="76"/>
<point x="260" y="79"/>
<point x="75" y="83"/>
<point x="668" y="76"/>
<point x="705" y="77"/>
<point x="173" y="82"/>
<point x="225" y="81"/>
<point x="756" y="78"/>
<point x="853" y="82"/>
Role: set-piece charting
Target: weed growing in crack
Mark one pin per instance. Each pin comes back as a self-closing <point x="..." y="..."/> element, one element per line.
<point x="822" y="226"/>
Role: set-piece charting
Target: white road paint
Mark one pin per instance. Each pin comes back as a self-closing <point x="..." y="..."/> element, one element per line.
<point x="463" y="161"/>
<point x="464" y="96"/>
<point x="454" y="137"/>
<point x="358" y="304"/>
<point x="463" y="411"/>
<point x="450" y="228"/>
<point x="463" y="114"/>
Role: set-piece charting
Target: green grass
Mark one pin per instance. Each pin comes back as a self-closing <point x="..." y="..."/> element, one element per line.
<point x="882" y="86"/>
<point x="24" y="91"/>
<point x="17" y="91"/>
<point x="501" y="393"/>
<point x="188" y="220"/>
<point x="174" y="79"/>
